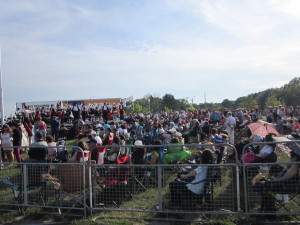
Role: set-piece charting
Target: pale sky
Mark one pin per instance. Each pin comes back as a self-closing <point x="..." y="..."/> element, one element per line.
<point x="58" y="49"/>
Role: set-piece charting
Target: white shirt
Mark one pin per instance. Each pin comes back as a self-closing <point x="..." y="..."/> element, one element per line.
<point x="230" y="121"/>
<point x="98" y="139"/>
<point x="266" y="149"/>
<point x="198" y="188"/>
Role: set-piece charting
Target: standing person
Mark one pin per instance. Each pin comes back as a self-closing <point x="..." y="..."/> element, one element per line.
<point x="7" y="143"/>
<point x="17" y="141"/>
<point x="76" y="111"/>
<point x="55" y="128"/>
<point x="29" y="129"/>
<point x="230" y="123"/>
<point x="105" y="112"/>
<point x="121" y="108"/>
<point x="42" y="127"/>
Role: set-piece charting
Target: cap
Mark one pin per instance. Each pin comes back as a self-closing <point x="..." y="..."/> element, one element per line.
<point x="38" y="135"/>
<point x="92" y="140"/>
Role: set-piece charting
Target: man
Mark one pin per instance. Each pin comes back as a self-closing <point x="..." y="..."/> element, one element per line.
<point x="38" y="149"/>
<point x="230" y="125"/>
<point x="121" y="108"/>
<point x="17" y="141"/>
<point x="55" y="128"/>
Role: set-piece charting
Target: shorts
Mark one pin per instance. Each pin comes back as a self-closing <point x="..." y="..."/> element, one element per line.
<point x="7" y="147"/>
<point x="43" y="131"/>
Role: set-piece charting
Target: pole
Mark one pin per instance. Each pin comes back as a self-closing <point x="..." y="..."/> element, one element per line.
<point x="1" y="93"/>
<point x="204" y="100"/>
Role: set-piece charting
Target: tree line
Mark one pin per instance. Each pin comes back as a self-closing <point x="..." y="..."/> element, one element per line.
<point x="286" y="95"/>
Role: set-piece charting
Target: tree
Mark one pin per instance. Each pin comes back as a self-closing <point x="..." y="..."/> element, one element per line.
<point x="169" y="101"/>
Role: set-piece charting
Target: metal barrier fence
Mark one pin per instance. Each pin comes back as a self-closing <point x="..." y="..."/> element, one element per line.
<point x="271" y="189"/>
<point x="164" y="190"/>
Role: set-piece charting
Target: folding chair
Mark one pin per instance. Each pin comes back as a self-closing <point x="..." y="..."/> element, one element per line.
<point x="114" y="185"/>
<point x="35" y="186"/>
<point x="72" y="189"/>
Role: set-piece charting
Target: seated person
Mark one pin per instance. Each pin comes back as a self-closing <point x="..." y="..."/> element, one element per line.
<point x="37" y="154"/>
<point x="286" y="182"/>
<point x="82" y="145"/>
<point x="52" y="149"/>
<point x="175" y="152"/>
<point x="138" y="153"/>
<point x="267" y="153"/>
<point x="183" y="190"/>
<point x="63" y="132"/>
<point x="113" y="153"/>
<point x="154" y="156"/>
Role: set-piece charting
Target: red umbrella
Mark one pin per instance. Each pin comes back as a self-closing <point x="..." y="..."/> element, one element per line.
<point x="261" y="128"/>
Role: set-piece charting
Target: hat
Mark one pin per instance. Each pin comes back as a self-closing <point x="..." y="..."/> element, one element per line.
<point x="38" y="135"/>
<point x="127" y="135"/>
<point x="138" y="143"/>
<point x="177" y="134"/>
<point x="92" y="140"/>
<point x="98" y="125"/>
<point x="172" y="130"/>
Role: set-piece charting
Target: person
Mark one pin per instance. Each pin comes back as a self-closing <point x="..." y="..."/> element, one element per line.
<point x="193" y="136"/>
<point x="39" y="148"/>
<point x="82" y="145"/>
<point x="181" y="189"/>
<point x="42" y="127"/>
<point x="121" y="108"/>
<point x="17" y="141"/>
<point x="55" y="128"/>
<point x="286" y="182"/>
<point x="7" y="144"/>
<point x="51" y="155"/>
<point x="267" y="153"/>
<point x="230" y="124"/>
<point x="108" y="137"/>
<point x="28" y="126"/>
<point x="175" y="152"/>
<point x="154" y="156"/>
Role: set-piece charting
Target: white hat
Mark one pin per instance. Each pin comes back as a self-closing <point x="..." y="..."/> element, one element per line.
<point x="177" y="134"/>
<point x="138" y="143"/>
<point x="172" y="130"/>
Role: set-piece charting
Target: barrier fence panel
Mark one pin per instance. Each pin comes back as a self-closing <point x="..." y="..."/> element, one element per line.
<point x="42" y="183"/>
<point x="271" y="190"/>
<point x="124" y="183"/>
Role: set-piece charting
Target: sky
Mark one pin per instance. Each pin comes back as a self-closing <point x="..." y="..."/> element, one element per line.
<point x="74" y="49"/>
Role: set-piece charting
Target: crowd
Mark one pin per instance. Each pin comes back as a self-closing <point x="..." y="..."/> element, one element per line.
<point x="110" y="126"/>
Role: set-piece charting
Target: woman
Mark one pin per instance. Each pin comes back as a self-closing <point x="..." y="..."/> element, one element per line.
<point x="193" y="135"/>
<point x="154" y="156"/>
<point x="108" y="137"/>
<point x="51" y="155"/>
<point x="267" y="153"/>
<point x="82" y="145"/>
<point x="183" y="190"/>
<point x="286" y="182"/>
<point x="28" y="126"/>
<point x="6" y="140"/>
<point x="42" y="127"/>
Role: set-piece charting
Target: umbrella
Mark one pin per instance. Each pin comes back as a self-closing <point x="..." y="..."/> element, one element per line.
<point x="261" y="128"/>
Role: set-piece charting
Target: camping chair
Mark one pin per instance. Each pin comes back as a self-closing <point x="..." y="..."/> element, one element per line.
<point x="204" y="199"/>
<point x="35" y="191"/>
<point x="114" y="185"/>
<point x="72" y="187"/>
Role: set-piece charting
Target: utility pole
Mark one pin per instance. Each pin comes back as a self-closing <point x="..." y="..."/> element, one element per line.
<point x="204" y="100"/>
<point x="1" y="92"/>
